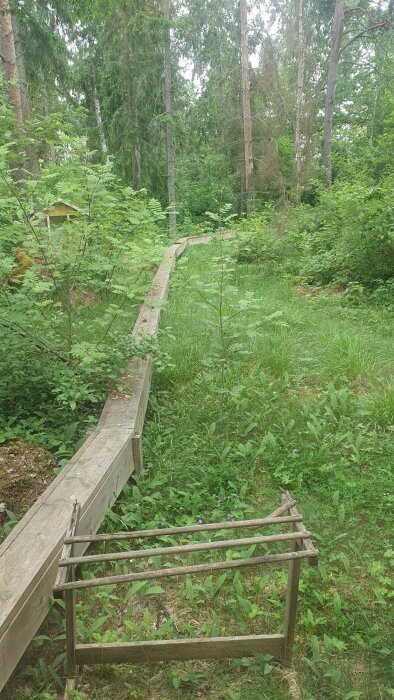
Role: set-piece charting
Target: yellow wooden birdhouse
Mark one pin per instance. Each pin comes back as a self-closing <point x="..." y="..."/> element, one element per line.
<point x="60" y="212"/>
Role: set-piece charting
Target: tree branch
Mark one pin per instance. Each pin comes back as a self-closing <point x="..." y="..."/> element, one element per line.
<point x="362" y="32"/>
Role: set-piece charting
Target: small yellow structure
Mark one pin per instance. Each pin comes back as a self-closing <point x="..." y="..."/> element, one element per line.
<point x="60" y="212"/>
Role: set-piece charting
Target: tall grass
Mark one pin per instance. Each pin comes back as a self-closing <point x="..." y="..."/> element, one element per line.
<point x="308" y="408"/>
<point x="306" y="404"/>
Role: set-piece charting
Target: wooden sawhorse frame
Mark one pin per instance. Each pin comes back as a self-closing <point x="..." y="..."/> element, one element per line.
<point x="280" y="646"/>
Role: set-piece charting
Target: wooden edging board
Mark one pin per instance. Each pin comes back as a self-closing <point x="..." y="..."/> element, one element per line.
<point x="94" y="477"/>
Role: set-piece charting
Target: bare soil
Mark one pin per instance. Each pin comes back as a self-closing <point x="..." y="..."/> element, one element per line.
<point x="25" y="472"/>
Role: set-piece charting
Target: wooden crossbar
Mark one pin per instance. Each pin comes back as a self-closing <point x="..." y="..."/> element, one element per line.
<point x="184" y="549"/>
<point x="180" y="649"/>
<point x="273" y="519"/>
<point x="184" y="570"/>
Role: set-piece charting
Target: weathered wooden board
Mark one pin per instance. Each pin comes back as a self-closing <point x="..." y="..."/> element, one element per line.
<point x="128" y="410"/>
<point x="181" y="649"/>
<point x="94" y="476"/>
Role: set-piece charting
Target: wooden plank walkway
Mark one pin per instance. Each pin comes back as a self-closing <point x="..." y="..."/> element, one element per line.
<point x="95" y="476"/>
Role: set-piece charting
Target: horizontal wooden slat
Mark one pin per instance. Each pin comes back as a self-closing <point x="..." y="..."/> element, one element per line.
<point x="182" y="549"/>
<point x="128" y="410"/>
<point x="181" y="649"/>
<point x="206" y="527"/>
<point x="184" y="570"/>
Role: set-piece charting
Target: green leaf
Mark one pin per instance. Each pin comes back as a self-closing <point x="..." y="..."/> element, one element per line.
<point x="96" y="624"/>
<point x="315" y="647"/>
<point x="337" y="604"/>
<point x="137" y="586"/>
<point x="154" y="590"/>
<point x="218" y="585"/>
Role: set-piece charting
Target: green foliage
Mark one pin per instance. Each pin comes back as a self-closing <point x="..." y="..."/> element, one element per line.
<point x="346" y="238"/>
<point x="308" y="405"/>
<point x="68" y="295"/>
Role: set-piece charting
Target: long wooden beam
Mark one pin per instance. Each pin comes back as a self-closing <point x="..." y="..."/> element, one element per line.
<point x="183" y="548"/>
<point x="148" y="575"/>
<point x="95" y="476"/>
<point x="180" y="649"/>
<point x="274" y="519"/>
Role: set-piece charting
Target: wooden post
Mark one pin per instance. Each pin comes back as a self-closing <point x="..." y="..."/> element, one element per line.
<point x="69" y="600"/>
<point x="291" y="604"/>
<point x="70" y="686"/>
<point x="136" y="443"/>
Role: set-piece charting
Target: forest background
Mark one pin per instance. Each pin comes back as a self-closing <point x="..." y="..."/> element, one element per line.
<point x="137" y="112"/>
<point x="144" y="112"/>
<point x="159" y="119"/>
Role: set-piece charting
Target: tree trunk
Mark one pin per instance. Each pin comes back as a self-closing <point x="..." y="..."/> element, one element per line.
<point x="170" y="132"/>
<point x="300" y="93"/>
<point x="7" y="43"/>
<point x="49" y="151"/>
<point x="336" y="40"/>
<point x="97" y="114"/>
<point x="246" y="113"/>
<point x="137" y="151"/>
<point x="20" y="62"/>
<point x="25" y="97"/>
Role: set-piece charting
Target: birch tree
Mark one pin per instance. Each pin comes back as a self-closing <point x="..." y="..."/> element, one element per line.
<point x="8" y="52"/>
<point x="336" y="40"/>
<point x="246" y="112"/>
<point x="169" y="127"/>
<point x="299" y="98"/>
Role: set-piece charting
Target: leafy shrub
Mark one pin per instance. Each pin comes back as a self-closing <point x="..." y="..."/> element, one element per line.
<point x="68" y="296"/>
<point x="348" y="237"/>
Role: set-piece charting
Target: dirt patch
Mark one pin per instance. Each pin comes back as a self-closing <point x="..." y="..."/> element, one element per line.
<point x="82" y="297"/>
<point x="25" y="472"/>
<point x="306" y="290"/>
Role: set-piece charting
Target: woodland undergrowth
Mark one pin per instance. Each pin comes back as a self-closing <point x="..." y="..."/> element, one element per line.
<point x="259" y="388"/>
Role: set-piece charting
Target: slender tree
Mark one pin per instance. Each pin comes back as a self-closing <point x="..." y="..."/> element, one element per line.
<point x="336" y="40"/>
<point x="20" y="62"/>
<point x="8" y="52"/>
<point x="168" y="107"/>
<point x="246" y="111"/>
<point x="299" y="97"/>
<point x="97" y="113"/>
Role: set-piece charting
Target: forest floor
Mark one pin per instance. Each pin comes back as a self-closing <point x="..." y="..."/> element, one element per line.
<point x="302" y="400"/>
<point x="25" y="472"/>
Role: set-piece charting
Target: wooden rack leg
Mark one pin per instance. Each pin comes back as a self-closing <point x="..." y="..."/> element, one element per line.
<point x="70" y="686"/>
<point x="291" y="605"/>
<point x="69" y="600"/>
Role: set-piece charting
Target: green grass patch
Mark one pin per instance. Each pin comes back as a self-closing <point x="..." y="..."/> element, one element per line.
<point x="291" y="392"/>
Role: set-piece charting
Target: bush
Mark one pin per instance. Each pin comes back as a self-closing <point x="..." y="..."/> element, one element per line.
<point x="348" y="237"/>
<point x="68" y="296"/>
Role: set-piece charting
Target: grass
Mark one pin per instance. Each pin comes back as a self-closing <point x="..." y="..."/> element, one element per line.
<point x="305" y="403"/>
